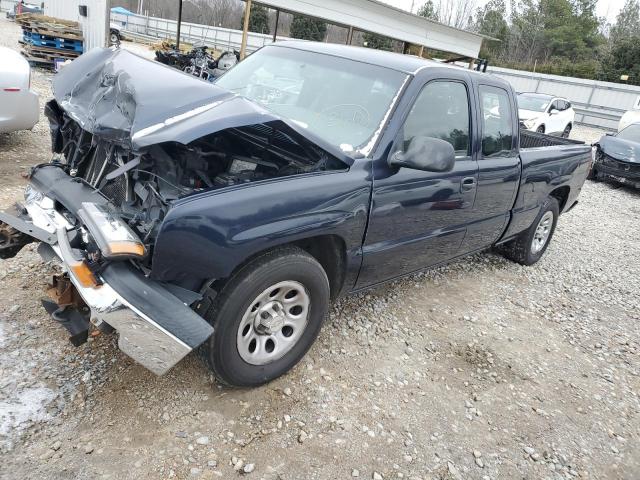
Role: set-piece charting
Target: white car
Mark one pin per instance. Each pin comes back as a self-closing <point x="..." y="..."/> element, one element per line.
<point x="545" y="114"/>
<point x="630" y="116"/>
<point x="19" y="107"/>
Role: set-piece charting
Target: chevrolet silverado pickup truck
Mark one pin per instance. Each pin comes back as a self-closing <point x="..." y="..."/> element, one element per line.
<point x="225" y="217"/>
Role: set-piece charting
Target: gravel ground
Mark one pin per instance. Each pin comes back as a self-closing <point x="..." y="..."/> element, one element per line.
<point x="482" y="369"/>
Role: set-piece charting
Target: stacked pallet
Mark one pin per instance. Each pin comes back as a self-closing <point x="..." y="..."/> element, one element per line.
<point x="46" y="40"/>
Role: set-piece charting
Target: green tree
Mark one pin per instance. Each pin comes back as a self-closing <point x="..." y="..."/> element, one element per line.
<point x="258" y="19"/>
<point x="428" y="10"/>
<point x="307" y="28"/>
<point x="622" y="59"/>
<point x="379" y="42"/>
<point x="548" y="29"/>
<point x="627" y="22"/>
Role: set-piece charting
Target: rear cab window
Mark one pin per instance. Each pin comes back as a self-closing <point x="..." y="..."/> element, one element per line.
<point x="498" y="135"/>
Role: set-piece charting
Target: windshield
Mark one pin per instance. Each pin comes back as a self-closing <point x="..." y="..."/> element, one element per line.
<point x="533" y="103"/>
<point x="632" y="132"/>
<point x="341" y="101"/>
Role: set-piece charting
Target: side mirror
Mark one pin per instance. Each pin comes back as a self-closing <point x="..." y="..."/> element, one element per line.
<point x="554" y="111"/>
<point x="426" y="153"/>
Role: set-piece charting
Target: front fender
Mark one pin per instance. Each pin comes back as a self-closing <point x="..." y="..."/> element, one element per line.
<point x="207" y="235"/>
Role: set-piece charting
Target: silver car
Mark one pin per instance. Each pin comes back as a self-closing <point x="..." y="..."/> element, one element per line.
<point x="19" y="107"/>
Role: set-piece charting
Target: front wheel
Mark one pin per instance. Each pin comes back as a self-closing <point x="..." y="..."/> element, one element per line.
<point x="567" y="131"/>
<point x="540" y="129"/>
<point x="266" y="317"/>
<point x="528" y="247"/>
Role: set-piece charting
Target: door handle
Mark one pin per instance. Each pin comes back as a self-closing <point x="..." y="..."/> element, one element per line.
<point x="468" y="183"/>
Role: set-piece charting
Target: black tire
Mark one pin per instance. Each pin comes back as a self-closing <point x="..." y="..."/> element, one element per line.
<point x="237" y="296"/>
<point x="114" y="37"/>
<point x="567" y="131"/>
<point x="540" y="129"/>
<point x="520" y="248"/>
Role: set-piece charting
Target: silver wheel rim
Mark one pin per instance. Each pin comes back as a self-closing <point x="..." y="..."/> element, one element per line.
<point x="543" y="230"/>
<point x="274" y="323"/>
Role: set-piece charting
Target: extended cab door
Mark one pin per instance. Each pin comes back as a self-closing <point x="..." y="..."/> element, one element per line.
<point x="499" y="166"/>
<point x="420" y="218"/>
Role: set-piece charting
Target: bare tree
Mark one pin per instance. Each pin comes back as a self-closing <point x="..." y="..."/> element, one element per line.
<point x="456" y="13"/>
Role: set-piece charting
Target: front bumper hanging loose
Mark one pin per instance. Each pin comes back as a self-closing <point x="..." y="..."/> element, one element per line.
<point x="155" y="327"/>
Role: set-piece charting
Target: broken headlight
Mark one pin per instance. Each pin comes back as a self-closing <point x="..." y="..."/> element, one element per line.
<point x="113" y="237"/>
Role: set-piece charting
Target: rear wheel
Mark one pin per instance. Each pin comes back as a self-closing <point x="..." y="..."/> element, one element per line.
<point x="567" y="131"/>
<point x="540" y="129"/>
<point x="266" y="317"/>
<point x="531" y="244"/>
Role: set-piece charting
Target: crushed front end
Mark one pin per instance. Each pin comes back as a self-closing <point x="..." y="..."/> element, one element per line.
<point x="617" y="159"/>
<point x="104" y="282"/>
<point x="131" y="138"/>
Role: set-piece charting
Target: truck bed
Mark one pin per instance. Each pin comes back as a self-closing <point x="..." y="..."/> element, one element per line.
<point x="529" y="139"/>
<point x="553" y="166"/>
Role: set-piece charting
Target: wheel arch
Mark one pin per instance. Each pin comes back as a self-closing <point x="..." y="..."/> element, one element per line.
<point x="329" y="250"/>
<point x="561" y="194"/>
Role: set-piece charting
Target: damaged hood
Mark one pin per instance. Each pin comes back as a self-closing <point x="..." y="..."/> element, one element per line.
<point x="620" y="149"/>
<point x="125" y="98"/>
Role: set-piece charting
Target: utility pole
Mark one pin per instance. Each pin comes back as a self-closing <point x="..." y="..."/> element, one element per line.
<point x="179" y="22"/>
<point x="245" y="29"/>
<point x="107" y="21"/>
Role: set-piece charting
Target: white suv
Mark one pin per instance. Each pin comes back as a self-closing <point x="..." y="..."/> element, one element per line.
<point x="545" y="114"/>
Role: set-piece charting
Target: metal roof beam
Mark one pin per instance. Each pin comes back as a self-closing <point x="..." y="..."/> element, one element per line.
<point x="376" y="17"/>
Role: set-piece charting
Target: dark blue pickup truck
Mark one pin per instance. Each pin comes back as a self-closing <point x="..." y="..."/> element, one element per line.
<point x="226" y="216"/>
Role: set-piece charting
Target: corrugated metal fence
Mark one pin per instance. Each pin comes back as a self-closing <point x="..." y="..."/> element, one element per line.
<point x="599" y="104"/>
<point x="162" y="28"/>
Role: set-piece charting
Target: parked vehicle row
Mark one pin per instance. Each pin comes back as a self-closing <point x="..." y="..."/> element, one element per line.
<point x="228" y="218"/>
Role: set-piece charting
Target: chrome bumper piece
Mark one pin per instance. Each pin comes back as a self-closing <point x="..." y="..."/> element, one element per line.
<point x="140" y="337"/>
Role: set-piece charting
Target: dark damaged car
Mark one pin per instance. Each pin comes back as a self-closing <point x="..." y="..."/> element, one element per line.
<point x="226" y="216"/>
<point x="617" y="157"/>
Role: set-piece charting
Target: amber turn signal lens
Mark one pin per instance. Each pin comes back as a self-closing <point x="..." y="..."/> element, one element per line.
<point x="126" y="248"/>
<point x="83" y="274"/>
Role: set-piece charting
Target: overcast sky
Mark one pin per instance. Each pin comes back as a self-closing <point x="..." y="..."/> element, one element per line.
<point x="606" y="8"/>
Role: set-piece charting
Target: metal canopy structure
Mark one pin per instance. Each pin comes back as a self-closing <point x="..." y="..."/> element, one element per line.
<point x="377" y="17"/>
